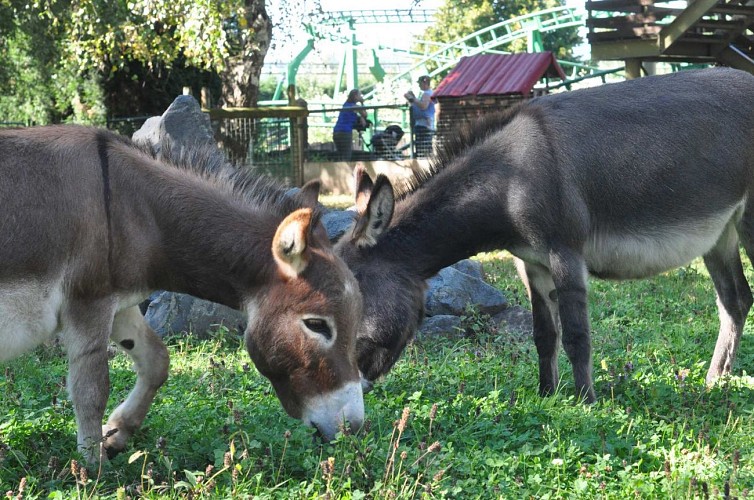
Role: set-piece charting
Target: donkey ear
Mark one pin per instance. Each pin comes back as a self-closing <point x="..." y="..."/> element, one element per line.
<point x="289" y="246"/>
<point x="377" y="216"/>
<point x="308" y="195"/>
<point x="364" y="187"/>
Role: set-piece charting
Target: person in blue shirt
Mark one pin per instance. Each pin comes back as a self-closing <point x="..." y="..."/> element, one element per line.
<point x="348" y="119"/>
<point x="422" y="116"/>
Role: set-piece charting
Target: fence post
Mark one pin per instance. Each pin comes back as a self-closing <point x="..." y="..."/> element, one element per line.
<point x="206" y="98"/>
<point x="301" y="125"/>
<point x="299" y="134"/>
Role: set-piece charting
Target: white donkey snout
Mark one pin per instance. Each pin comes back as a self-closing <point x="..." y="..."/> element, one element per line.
<point x="329" y="412"/>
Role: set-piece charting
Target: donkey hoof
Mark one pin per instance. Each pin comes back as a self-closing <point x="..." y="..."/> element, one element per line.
<point x="113" y="440"/>
<point x="366" y="385"/>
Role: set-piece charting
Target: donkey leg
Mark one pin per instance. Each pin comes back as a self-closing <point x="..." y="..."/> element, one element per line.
<point x="734" y="299"/>
<point x="150" y="357"/>
<point x="570" y="277"/>
<point x="544" y="309"/>
<point x="85" y="337"/>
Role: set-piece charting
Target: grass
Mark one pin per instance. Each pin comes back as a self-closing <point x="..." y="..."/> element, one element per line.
<point x="458" y="417"/>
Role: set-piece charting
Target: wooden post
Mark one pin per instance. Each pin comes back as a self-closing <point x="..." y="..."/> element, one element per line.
<point x="633" y="68"/>
<point x="206" y="98"/>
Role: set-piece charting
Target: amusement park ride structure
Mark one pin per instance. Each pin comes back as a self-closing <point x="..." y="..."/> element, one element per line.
<point x="630" y="31"/>
<point x="491" y="39"/>
<point x="347" y="74"/>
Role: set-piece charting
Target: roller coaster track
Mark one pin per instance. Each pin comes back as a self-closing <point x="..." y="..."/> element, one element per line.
<point x="492" y="39"/>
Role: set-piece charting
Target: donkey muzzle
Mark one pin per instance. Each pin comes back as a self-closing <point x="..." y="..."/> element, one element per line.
<point x="330" y="412"/>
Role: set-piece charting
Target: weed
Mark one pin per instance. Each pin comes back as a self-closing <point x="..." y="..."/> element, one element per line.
<point x="458" y="417"/>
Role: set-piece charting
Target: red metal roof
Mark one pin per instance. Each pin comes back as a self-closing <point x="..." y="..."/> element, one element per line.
<point x="498" y="74"/>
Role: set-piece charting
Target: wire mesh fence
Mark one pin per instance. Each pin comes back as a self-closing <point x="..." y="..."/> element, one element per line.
<point x="276" y="141"/>
<point x="386" y="137"/>
<point x="455" y="113"/>
<point x="271" y="141"/>
<point x="265" y="144"/>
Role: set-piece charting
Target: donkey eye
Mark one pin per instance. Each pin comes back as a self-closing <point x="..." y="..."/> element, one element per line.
<point x="320" y="326"/>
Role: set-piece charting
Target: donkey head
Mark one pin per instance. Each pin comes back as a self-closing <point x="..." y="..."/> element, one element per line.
<point x="393" y="293"/>
<point x="302" y="327"/>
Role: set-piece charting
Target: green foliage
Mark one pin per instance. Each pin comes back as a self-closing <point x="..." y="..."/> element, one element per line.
<point x="37" y="86"/>
<point x="115" y="33"/>
<point x="458" y="417"/>
<point x="80" y="61"/>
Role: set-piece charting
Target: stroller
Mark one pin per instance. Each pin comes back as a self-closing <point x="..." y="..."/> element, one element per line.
<point x="385" y="143"/>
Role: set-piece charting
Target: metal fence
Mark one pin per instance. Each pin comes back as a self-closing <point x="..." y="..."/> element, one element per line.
<point x="271" y="141"/>
<point x="267" y="140"/>
<point x="276" y="141"/>
<point x="388" y="136"/>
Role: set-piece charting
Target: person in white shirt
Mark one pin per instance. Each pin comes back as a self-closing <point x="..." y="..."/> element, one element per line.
<point x="422" y="116"/>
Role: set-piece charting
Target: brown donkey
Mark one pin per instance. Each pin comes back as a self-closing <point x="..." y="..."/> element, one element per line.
<point x="621" y="181"/>
<point x="92" y="224"/>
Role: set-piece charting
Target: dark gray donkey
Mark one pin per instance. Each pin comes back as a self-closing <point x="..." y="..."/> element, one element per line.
<point x="622" y="181"/>
<point x="91" y="224"/>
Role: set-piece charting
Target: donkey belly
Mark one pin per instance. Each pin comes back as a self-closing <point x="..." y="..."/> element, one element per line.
<point x="646" y="252"/>
<point x="29" y="315"/>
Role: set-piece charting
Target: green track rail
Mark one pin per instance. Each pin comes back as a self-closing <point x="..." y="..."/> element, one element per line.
<point x="490" y="40"/>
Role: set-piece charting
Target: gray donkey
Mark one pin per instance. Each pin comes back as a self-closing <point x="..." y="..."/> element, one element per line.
<point x="91" y="225"/>
<point x="621" y="181"/>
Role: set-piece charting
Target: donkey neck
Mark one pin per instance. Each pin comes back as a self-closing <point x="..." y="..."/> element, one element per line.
<point x="223" y="254"/>
<point x="199" y="238"/>
<point x="441" y="222"/>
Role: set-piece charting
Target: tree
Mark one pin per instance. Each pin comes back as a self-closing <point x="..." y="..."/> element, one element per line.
<point x="457" y="19"/>
<point x="36" y="86"/>
<point x="99" y="44"/>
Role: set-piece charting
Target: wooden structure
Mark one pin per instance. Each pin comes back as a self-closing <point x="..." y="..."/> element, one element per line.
<point x="486" y="83"/>
<point x="702" y="31"/>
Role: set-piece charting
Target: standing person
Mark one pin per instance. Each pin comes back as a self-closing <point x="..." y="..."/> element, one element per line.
<point x="423" y="116"/>
<point x="348" y="120"/>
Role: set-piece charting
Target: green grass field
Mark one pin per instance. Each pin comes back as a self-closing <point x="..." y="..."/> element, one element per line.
<point x="458" y="417"/>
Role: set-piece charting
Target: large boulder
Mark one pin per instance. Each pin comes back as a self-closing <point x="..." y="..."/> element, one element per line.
<point x="183" y="123"/>
<point x="443" y="325"/>
<point x="451" y="291"/>
<point x="180" y="313"/>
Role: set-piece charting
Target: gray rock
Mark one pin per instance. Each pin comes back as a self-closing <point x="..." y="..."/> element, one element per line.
<point x="515" y="320"/>
<point x="149" y="133"/>
<point x="183" y="123"/>
<point x="176" y="312"/>
<point x="436" y="326"/>
<point x="471" y="267"/>
<point x="337" y="222"/>
<point x="450" y="291"/>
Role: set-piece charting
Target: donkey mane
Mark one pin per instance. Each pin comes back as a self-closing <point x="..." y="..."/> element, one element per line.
<point x="210" y="163"/>
<point x="468" y="136"/>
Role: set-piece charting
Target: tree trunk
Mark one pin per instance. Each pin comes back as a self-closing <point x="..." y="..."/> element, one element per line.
<point x="240" y="77"/>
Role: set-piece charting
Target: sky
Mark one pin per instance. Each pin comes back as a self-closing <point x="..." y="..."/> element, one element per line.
<point x="327" y="54"/>
<point x="285" y="48"/>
